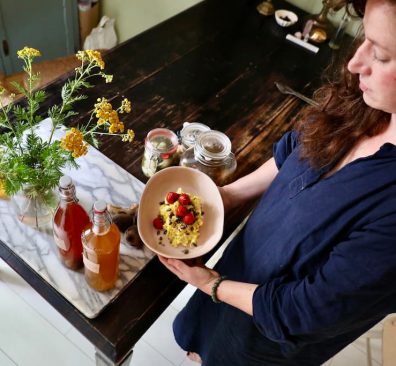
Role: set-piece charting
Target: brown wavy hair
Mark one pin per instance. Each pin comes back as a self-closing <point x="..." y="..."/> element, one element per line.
<point x="330" y="131"/>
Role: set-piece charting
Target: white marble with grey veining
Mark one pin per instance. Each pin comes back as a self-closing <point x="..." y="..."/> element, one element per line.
<point x="97" y="178"/>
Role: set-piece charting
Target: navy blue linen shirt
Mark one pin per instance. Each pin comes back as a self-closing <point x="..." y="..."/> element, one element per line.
<point x="323" y="251"/>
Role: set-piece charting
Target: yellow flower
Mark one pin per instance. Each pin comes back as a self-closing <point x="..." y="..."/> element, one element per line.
<point x="91" y="56"/>
<point x="28" y="52"/>
<point x="96" y="57"/>
<point x="116" y="127"/>
<point x="125" y="106"/>
<point x="129" y="136"/>
<point x="74" y="142"/>
<point x="103" y="108"/>
<point x="108" y="78"/>
<point x="80" y="55"/>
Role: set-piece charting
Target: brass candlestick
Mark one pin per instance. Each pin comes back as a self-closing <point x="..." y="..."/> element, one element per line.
<point x="266" y="8"/>
<point x="321" y="28"/>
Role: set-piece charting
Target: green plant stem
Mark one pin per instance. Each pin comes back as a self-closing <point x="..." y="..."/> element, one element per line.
<point x="10" y="126"/>
<point x="28" y="64"/>
<point x="65" y="102"/>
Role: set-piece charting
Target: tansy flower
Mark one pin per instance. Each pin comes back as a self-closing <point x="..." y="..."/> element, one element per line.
<point x="129" y="136"/>
<point x="103" y="108"/>
<point x="28" y="52"/>
<point x="125" y="106"/>
<point x="108" y="78"/>
<point x="91" y="56"/>
<point x="74" y="142"/>
<point x="96" y="57"/>
<point x="116" y="127"/>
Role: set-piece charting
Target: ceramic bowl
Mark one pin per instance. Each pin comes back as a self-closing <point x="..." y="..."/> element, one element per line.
<point x="285" y="18"/>
<point x="190" y="181"/>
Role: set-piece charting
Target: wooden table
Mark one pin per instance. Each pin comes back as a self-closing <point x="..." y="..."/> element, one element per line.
<point x="215" y="63"/>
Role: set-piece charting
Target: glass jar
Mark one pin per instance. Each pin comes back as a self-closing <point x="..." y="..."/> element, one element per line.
<point x="68" y="223"/>
<point x="212" y="155"/>
<point x="160" y="147"/>
<point x="189" y="134"/>
<point x="101" y="249"/>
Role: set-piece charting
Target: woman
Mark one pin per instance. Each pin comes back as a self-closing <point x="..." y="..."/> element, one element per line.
<point x="315" y="266"/>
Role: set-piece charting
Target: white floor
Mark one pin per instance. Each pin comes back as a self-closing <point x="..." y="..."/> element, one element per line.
<point x="32" y="333"/>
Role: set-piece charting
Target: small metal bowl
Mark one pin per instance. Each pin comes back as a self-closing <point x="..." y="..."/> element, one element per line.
<point x="285" y="18"/>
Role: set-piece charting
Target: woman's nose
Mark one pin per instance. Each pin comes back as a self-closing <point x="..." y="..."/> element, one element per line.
<point x="359" y="63"/>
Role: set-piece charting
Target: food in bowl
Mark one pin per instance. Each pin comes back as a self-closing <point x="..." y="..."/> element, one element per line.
<point x="285" y="18"/>
<point x="180" y="218"/>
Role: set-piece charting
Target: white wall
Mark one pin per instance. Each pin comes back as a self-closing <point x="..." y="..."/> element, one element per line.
<point x="135" y="16"/>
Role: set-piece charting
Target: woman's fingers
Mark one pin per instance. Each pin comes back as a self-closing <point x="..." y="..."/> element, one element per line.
<point x="173" y="265"/>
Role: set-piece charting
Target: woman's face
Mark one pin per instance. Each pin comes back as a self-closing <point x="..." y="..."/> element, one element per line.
<point x="375" y="59"/>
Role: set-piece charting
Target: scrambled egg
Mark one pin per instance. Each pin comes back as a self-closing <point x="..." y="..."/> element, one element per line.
<point x="178" y="233"/>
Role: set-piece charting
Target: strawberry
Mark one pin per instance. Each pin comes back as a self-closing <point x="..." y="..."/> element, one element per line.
<point x="184" y="199"/>
<point x="172" y="197"/>
<point x="181" y="211"/>
<point x="189" y="218"/>
<point x="158" y="223"/>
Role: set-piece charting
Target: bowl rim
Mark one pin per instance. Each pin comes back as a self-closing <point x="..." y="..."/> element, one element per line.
<point x="215" y="238"/>
<point x="286" y="12"/>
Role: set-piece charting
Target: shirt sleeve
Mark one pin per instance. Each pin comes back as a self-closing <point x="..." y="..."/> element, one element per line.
<point x="357" y="282"/>
<point x="283" y="148"/>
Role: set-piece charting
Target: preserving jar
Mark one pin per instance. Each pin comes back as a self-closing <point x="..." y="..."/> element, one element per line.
<point x="160" y="147"/>
<point x="212" y="155"/>
<point x="189" y="134"/>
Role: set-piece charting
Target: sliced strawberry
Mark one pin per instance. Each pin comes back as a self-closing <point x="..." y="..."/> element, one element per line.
<point x="189" y="218"/>
<point x="181" y="211"/>
<point x="172" y="197"/>
<point x="184" y="199"/>
<point x="158" y="223"/>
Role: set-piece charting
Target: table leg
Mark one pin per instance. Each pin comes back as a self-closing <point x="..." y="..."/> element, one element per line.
<point x="102" y="360"/>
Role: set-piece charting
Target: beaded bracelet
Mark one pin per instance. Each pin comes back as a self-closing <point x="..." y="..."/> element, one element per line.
<point x="215" y="287"/>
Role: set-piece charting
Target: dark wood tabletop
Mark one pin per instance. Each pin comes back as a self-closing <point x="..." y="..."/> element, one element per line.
<point x="215" y="63"/>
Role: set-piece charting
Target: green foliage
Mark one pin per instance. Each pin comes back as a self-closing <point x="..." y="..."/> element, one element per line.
<point x="27" y="161"/>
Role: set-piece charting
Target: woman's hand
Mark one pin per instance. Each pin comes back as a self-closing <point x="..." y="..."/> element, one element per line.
<point x="197" y="274"/>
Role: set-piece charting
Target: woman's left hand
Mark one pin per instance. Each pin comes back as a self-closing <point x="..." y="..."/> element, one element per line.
<point x="197" y="274"/>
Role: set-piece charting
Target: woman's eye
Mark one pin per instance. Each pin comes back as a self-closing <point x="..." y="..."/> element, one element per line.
<point x="379" y="58"/>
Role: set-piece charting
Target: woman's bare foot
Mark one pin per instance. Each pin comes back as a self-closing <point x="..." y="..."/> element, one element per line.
<point x="194" y="357"/>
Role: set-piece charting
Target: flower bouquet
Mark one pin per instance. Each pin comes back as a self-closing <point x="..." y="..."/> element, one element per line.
<point x="30" y="166"/>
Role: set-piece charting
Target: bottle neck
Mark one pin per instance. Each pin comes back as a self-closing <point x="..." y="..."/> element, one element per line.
<point x="67" y="195"/>
<point x="101" y="222"/>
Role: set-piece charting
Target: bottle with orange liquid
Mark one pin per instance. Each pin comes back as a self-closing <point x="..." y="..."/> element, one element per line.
<point x="101" y="248"/>
<point x="69" y="221"/>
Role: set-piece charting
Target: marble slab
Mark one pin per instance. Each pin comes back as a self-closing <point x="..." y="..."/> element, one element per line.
<point x="97" y="178"/>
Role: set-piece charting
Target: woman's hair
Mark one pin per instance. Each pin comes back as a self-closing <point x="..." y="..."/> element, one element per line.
<point x="327" y="133"/>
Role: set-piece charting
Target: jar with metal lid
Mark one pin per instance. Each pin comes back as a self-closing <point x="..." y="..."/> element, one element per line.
<point x="160" y="147"/>
<point x="212" y="155"/>
<point x="189" y="134"/>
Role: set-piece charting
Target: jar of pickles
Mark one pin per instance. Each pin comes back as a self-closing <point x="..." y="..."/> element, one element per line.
<point x="160" y="151"/>
<point x="189" y="134"/>
<point x="212" y="155"/>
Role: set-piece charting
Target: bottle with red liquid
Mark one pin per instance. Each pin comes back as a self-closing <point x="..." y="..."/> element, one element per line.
<point x="69" y="221"/>
<point x="101" y="244"/>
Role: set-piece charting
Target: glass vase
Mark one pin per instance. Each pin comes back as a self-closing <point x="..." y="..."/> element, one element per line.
<point x="34" y="209"/>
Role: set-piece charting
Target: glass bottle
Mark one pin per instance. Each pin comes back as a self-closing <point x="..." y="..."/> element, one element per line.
<point x="101" y="248"/>
<point x="69" y="221"/>
<point x="212" y="155"/>
<point x="189" y="134"/>
<point x="160" y="147"/>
